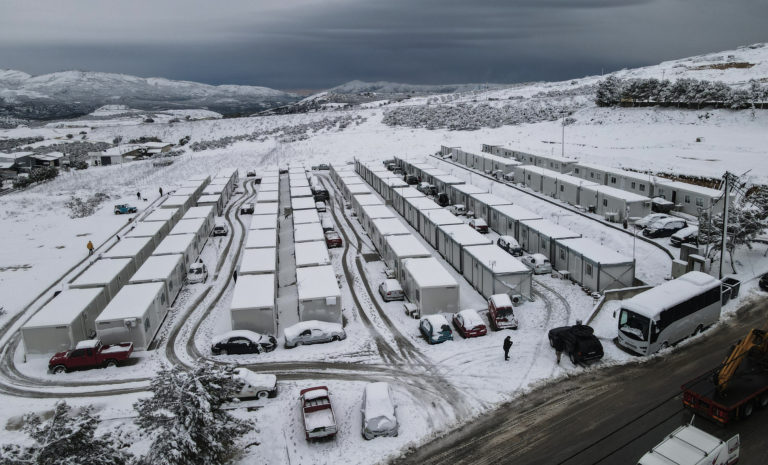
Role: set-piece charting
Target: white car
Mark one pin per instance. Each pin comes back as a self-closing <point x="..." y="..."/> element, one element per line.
<point x="379" y="411"/>
<point x="312" y="332"/>
<point x="538" y="263"/>
<point x="198" y="273"/>
<point x="255" y="385"/>
<point x="645" y="221"/>
<point x="458" y="209"/>
<point x="390" y="290"/>
<point x="320" y="206"/>
<point x="220" y="229"/>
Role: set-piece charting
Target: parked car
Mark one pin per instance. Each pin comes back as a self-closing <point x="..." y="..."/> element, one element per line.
<point x="648" y="219"/>
<point x="442" y="199"/>
<point x="250" y="174"/>
<point x="327" y="224"/>
<point x="317" y="412"/>
<point x="255" y="385"/>
<point x="242" y="341"/>
<point x="391" y="166"/>
<point x="538" y="263"/>
<point x="123" y="209"/>
<point x="332" y="239"/>
<point x="312" y="332"/>
<point x="469" y="324"/>
<point x="578" y="341"/>
<point x="323" y="167"/>
<point x="90" y="353"/>
<point x="664" y="227"/>
<point x="687" y="235"/>
<point x="435" y="329"/>
<point x="501" y="315"/>
<point x="257" y="180"/>
<point x="458" y="209"/>
<point x="763" y="283"/>
<point x="220" y="229"/>
<point x="388" y="162"/>
<point x="197" y="273"/>
<point x="390" y="290"/>
<point x="509" y="177"/>
<point x="397" y="170"/>
<point x="479" y="225"/>
<point x="410" y="179"/>
<point x="246" y="209"/>
<point x="321" y="195"/>
<point x="320" y="206"/>
<point x="510" y="245"/>
<point x="379" y="411"/>
<point x="427" y="188"/>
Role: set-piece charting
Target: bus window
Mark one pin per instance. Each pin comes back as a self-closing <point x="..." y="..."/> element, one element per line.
<point x="634" y="325"/>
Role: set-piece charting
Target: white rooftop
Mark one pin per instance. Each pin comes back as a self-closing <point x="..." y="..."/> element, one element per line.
<point x="434" y="171"/>
<point x="263" y="222"/>
<point x="146" y="229"/>
<point x="269" y="187"/>
<point x="157" y="267"/>
<point x="441" y="216"/>
<point x="214" y="189"/>
<point x="64" y="308"/>
<point x="188" y="226"/>
<point x="594" y="251"/>
<point x="127" y="247"/>
<point x="555" y="158"/>
<point x="408" y="192"/>
<point x="209" y="199"/>
<point x="541" y="171"/>
<point x="132" y="301"/>
<point x="489" y="256"/>
<point x="422" y="203"/>
<point x="302" y="203"/>
<point x="378" y="211"/>
<point x="305" y="216"/>
<point x="469" y="189"/>
<point x="184" y="191"/>
<point x="358" y="189"/>
<point x="395" y="182"/>
<point x="705" y="191"/>
<point x="613" y="192"/>
<point x="407" y="245"/>
<point x="390" y="226"/>
<point x="428" y="272"/>
<point x="464" y="235"/>
<point x="574" y="180"/>
<point x="200" y="177"/>
<point x="498" y="159"/>
<point x="176" y="201"/>
<point x="490" y="199"/>
<point x="449" y="179"/>
<point x="299" y="182"/>
<point x="270" y="179"/>
<point x="550" y="229"/>
<point x="308" y="232"/>
<point x="313" y="253"/>
<point x="102" y="271"/>
<point x="265" y="208"/>
<point x="350" y="179"/>
<point x="258" y="238"/>
<point x="199" y="212"/>
<point x="301" y="192"/>
<point x="267" y="196"/>
<point x="317" y="282"/>
<point x="263" y="260"/>
<point x="516" y="212"/>
<point x="162" y="214"/>
<point x="670" y="293"/>
<point x="174" y="244"/>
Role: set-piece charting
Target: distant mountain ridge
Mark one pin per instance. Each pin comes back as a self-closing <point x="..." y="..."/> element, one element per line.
<point x="385" y="87"/>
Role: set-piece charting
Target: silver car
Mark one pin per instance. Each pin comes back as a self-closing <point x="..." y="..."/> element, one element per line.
<point x="312" y="332"/>
<point x="379" y="411"/>
<point x="538" y="263"/>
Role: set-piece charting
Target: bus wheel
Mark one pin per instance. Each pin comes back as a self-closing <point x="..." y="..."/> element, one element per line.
<point x="664" y="346"/>
<point x="699" y="329"/>
<point x="746" y="410"/>
<point x="762" y="402"/>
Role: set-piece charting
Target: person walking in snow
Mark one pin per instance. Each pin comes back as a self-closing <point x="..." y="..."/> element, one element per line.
<point x="507" y="346"/>
<point x="559" y="347"/>
<point x="234" y="275"/>
<point x="90" y="248"/>
<point x="138" y="195"/>
<point x="161" y="192"/>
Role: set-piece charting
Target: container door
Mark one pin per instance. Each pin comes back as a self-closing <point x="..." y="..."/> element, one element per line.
<point x="487" y="289"/>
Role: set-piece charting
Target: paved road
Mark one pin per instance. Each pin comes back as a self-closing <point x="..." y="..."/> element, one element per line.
<point x="610" y="416"/>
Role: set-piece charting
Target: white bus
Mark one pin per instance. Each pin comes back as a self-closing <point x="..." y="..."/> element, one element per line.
<point x="666" y="314"/>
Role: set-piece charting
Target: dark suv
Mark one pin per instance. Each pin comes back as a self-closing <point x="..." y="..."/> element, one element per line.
<point x="578" y="342"/>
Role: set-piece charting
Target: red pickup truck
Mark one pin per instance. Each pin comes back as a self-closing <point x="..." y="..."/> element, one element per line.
<point x="90" y="354"/>
<point x="319" y="421"/>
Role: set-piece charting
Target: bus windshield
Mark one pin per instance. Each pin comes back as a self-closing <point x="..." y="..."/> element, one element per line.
<point x="633" y="325"/>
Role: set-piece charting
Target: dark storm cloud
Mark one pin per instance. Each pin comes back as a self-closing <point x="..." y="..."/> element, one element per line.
<point x="302" y="43"/>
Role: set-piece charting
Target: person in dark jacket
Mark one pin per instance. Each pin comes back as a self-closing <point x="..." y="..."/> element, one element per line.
<point x="161" y="192"/>
<point x="234" y="275"/>
<point x="559" y="347"/>
<point x="138" y="195"/>
<point x="507" y="346"/>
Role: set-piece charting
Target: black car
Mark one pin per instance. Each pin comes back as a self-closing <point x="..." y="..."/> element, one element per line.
<point x="323" y="167"/>
<point x="763" y="283"/>
<point x="242" y="342"/>
<point x="442" y="199"/>
<point x="579" y="343"/>
<point x="664" y="227"/>
<point x="410" y="179"/>
<point x="321" y="195"/>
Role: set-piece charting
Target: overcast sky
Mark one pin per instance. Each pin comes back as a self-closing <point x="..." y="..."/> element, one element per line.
<point x="291" y="44"/>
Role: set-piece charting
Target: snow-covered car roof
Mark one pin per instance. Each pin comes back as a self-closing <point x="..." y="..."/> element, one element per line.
<point x="315" y="394"/>
<point x="392" y="284"/>
<point x="436" y="320"/>
<point x="501" y="300"/>
<point x="471" y="318"/>
<point x="250" y="335"/>
<point x="87" y="344"/>
<point x="686" y="232"/>
<point x="294" y="330"/>
<point x="510" y="240"/>
<point x="539" y="256"/>
<point x="478" y="222"/>
<point x="378" y="402"/>
<point x="256" y="379"/>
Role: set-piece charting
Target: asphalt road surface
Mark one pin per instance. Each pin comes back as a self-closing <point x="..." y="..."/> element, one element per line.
<point x="610" y="416"/>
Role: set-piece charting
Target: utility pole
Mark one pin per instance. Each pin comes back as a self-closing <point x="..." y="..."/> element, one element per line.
<point x="562" y="151"/>
<point x="726" y="199"/>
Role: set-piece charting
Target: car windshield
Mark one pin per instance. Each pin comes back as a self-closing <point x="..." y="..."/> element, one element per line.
<point x="505" y="312"/>
<point x="633" y="325"/>
<point x="196" y="271"/>
<point x="445" y="329"/>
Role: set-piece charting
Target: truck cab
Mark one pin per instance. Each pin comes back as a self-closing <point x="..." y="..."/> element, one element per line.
<point x="500" y="312"/>
<point x="688" y="445"/>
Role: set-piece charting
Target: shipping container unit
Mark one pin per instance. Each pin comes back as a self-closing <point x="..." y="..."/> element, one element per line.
<point x="346" y="184"/>
<point x="429" y="286"/>
<point x="266" y="208"/>
<point x="550" y="162"/>
<point x="267" y="196"/>
<point x="109" y="274"/>
<point x="301" y="192"/>
<point x="431" y="220"/>
<point x="338" y="171"/>
<point x="138" y="249"/>
<point x="134" y="315"/>
<point x="539" y="236"/>
<point x="182" y="202"/>
<point x="398" y="196"/>
<point x="614" y="204"/>
<point x="258" y="261"/>
<point x="384" y="227"/>
<point x="444" y="181"/>
<point x="197" y="184"/>
<point x="496" y="165"/>
<point x="269" y="187"/>
<point x="190" y="191"/>
<point x="207" y="213"/>
<point x="296" y="170"/>
<point x="169" y="215"/>
<point x="196" y="226"/>
<point x="166" y="269"/>
<point x="270" y="179"/>
<point x="261" y="238"/>
<point x="214" y="200"/>
<point x="481" y="205"/>
<point x="491" y="272"/>
<point x="615" y="177"/>
<point x="451" y="240"/>
<point x="357" y="189"/>
<point x="566" y="188"/>
<point x="314" y="253"/>
<point x="447" y="151"/>
<point x="307" y="232"/>
<point x="505" y="219"/>
<point x="536" y="178"/>
<point x="459" y="194"/>
<point x="218" y="189"/>
<point x="594" y="266"/>
<point x="381" y="181"/>
<point x="391" y="184"/>
<point x="302" y="203"/>
<point x="305" y="216"/>
<point x="179" y="244"/>
<point x="430" y="174"/>
<point x="63" y="322"/>
<point x="230" y="173"/>
<point x="374" y="212"/>
<point x="160" y="222"/>
<point x="319" y="294"/>
<point x="298" y="181"/>
<point x="156" y="230"/>
<point x="689" y="198"/>
<point x="459" y="156"/>
<point x="263" y="222"/>
<point x="358" y="201"/>
<point x="415" y="207"/>
<point x="399" y="248"/>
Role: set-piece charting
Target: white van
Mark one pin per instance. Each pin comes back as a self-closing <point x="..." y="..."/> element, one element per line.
<point x="379" y="411"/>
<point x="688" y="445"/>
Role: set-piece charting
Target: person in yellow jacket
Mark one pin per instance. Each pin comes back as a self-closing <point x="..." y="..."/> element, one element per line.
<point x="90" y="248"/>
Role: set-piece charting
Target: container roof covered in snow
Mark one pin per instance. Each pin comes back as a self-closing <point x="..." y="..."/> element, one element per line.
<point x="184" y="191"/>
<point x="199" y="212"/>
<point x="408" y="192"/>
<point x="490" y="199"/>
<point x="173" y="244"/>
<point x="261" y="238"/>
<point x="550" y="229"/>
<point x="198" y="183"/>
<point x="555" y="158"/>
<point x="128" y="247"/>
<point x="441" y="216"/>
<point x="368" y="199"/>
<point x="267" y="196"/>
<point x="302" y="203"/>
<point x="516" y="212"/>
<point x="102" y="271"/>
<point x="157" y="267"/>
<point x="422" y="203"/>
<point x="64" y="308"/>
<point x="428" y="272"/>
<point x="541" y="171"/>
<point x="670" y="293"/>
<point x="351" y="178"/>
<point x="308" y="232"/>
<point x="388" y="226"/>
<point x="395" y="182"/>
<point x="378" y="211"/>
<point x="176" y="201"/>
<point x="265" y="208"/>
<point x="263" y="222"/>
<point x="464" y="235"/>
<point x="498" y="159"/>
<point x="616" y="171"/>
<point x="209" y="198"/>
<point x="301" y="192"/>
<point x="317" y="282"/>
<point x="188" y="226"/>
<point x="132" y="301"/>
<point x="469" y="189"/>
<point x="358" y="189"/>
<point x="684" y="186"/>
<point x="305" y="216"/>
<point x="161" y="214"/>
<point x="270" y="179"/>
<point x="574" y="180"/>
<point x="407" y="245"/>
<point x="299" y="182"/>
<point x="434" y="171"/>
<point x="269" y="187"/>
<point x="613" y="192"/>
<point x="490" y="257"/>
<point x="261" y="260"/>
<point x="146" y="229"/>
<point x="594" y="251"/>
<point x="214" y="189"/>
<point x="199" y="177"/>
<point x="449" y="179"/>
<point x="312" y="253"/>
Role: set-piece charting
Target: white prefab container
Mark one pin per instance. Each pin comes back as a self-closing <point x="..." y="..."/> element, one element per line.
<point x="429" y="174"/>
<point x="389" y="185"/>
<point x="134" y="315"/>
<point x="481" y="204"/>
<point x="614" y="204"/>
<point x="566" y="188"/>
<point x="415" y="206"/>
<point x="196" y="226"/>
<point x="491" y="272"/>
<point x="63" y="322"/>
<point x="629" y="181"/>
<point x="108" y="273"/>
<point x="182" y="202"/>
<point x="537" y="179"/>
<point x="451" y="240"/>
<point x="399" y="248"/>
<point x="442" y="182"/>
<point x="319" y="294"/>
<point x="179" y="244"/>
<point x="459" y="194"/>
<point x="267" y="196"/>
<point x="314" y="253"/>
<point x="263" y="222"/>
<point x="214" y="200"/>
<point x="169" y="270"/>
<point x="260" y="238"/>
<point x="399" y="195"/>
<point x="593" y="265"/>
<point x="269" y="188"/>
<point x="364" y="199"/>
<point x="191" y="191"/>
<point x="266" y="208"/>
<point x="307" y="232"/>
<point x="303" y="203"/>
<point x="208" y="213"/>
<point x="496" y="164"/>
<point x="299" y="181"/>
<point x="550" y="162"/>
<point x="355" y="189"/>
<point x="539" y="236"/>
<point x="170" y="215"/>
<point x="197" y="184"/>
<point x="305" y="216"/>
<point x="430" y="286"/>
<point x="137" y="249"/>
<point x="431" y="220"/>
<point x="506" y="218"/>
<point x="223" y="190"/>
<point x="384" y="227"/>
<point x="301" y="192"/>
<point x="155" y="230"/>
<point x="258" y="261"/>
<point x="270" y="179"/>
<point x="368" y="213"/>
<point x="689" y="198"/>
